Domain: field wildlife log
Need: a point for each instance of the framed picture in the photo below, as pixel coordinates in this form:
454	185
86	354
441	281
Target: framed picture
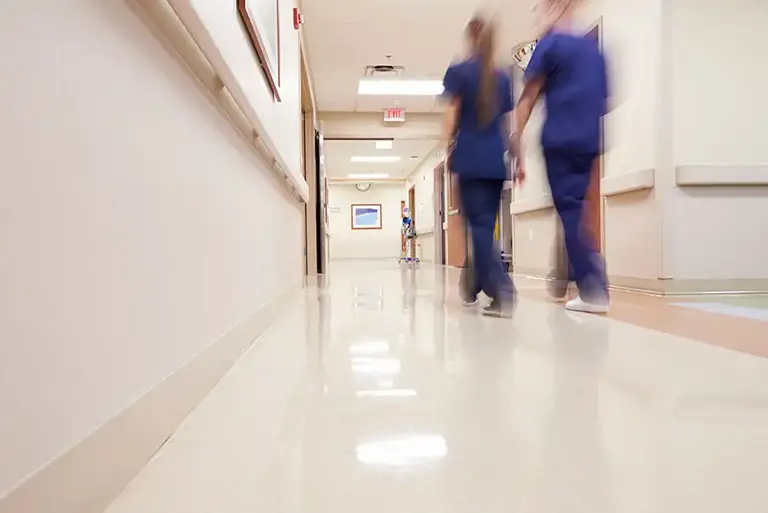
366	217
262	20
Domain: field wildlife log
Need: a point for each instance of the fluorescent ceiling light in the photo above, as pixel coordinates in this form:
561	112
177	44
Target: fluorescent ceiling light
395	392
383	145
369	176
376	159
397	87
376	366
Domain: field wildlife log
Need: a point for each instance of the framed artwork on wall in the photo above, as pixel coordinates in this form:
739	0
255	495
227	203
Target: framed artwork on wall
366	217
262	21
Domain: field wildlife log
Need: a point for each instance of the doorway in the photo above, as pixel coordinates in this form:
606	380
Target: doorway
457	244
593	215
412	212
440	217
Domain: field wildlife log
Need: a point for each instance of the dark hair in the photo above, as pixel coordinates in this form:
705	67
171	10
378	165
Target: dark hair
482	35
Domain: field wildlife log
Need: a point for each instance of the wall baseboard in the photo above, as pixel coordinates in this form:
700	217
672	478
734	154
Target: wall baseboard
87	477
659	287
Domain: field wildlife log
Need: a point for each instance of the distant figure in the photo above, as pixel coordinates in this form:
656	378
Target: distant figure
477	126
570	71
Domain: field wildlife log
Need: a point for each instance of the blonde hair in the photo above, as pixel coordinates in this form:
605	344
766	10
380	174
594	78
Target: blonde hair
482	35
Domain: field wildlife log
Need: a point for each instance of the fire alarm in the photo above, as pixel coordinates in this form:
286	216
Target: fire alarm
298	19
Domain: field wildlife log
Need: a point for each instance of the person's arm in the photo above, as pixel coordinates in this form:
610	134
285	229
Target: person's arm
450	120
539	68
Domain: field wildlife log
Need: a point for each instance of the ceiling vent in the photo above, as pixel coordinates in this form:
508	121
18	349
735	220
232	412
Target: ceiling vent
383	71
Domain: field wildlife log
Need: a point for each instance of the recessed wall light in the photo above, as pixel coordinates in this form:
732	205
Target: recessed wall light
376	159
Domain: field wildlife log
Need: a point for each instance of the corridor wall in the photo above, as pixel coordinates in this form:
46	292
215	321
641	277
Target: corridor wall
717	217
139	234
349	244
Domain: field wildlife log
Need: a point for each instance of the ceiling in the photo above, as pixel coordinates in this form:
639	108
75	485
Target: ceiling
411	153
344	36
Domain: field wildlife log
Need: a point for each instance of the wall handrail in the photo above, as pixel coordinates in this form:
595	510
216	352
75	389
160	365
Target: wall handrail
164	17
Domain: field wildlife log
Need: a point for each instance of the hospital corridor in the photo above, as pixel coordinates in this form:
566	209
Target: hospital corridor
241	270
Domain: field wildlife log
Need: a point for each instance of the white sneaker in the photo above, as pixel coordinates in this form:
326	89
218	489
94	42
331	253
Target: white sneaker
578	305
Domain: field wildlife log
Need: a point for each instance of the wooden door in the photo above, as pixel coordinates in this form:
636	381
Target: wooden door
457	247
592	224
439	205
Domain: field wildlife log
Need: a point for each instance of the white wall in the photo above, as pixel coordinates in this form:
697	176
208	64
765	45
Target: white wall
346	243
137	226
718	121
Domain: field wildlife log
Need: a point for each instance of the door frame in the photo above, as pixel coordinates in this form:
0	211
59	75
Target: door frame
440	217
599	173
310	170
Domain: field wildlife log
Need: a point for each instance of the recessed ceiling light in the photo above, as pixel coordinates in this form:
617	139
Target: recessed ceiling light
376	159
383	145
390	87
369	176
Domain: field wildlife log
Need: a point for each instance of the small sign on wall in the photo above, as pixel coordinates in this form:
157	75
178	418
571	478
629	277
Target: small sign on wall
334	210
394	115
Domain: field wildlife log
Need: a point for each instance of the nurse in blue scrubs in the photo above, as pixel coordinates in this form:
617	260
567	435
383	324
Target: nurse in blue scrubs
569	70
477	125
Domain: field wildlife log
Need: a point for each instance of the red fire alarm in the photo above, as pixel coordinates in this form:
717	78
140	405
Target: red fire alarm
298	19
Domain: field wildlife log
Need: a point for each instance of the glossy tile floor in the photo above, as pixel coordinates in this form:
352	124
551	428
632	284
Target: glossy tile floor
380	393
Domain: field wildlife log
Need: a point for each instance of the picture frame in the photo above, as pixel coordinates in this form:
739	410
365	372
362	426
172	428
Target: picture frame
366	216
262	21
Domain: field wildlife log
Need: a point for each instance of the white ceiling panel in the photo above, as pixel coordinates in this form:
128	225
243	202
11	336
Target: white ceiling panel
344	36
411	153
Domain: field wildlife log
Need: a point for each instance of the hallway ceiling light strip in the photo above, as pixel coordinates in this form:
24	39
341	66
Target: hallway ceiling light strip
395	392
380	87
369	176
376	159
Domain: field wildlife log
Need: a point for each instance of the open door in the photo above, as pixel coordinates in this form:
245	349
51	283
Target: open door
456	239
593	215
440	217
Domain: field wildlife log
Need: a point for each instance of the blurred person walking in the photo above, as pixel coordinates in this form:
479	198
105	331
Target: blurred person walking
477	126
570	71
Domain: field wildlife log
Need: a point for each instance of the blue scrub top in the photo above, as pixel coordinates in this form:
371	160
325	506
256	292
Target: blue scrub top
575	90
480	151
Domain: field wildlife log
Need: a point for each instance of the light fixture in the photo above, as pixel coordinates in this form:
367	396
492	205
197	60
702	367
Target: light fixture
398	87
384	145
376	159
368	176
394	392
376	366
403	451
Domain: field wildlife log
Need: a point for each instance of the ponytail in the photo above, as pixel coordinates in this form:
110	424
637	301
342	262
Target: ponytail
487	94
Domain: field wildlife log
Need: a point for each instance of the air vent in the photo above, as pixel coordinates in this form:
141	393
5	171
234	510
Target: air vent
383	71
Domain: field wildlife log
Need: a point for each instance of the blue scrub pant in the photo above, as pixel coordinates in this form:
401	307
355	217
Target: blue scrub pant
480	204
569	176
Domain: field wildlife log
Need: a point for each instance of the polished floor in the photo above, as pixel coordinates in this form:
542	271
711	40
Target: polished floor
378	392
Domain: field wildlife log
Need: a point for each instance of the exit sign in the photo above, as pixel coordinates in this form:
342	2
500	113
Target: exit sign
394	115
